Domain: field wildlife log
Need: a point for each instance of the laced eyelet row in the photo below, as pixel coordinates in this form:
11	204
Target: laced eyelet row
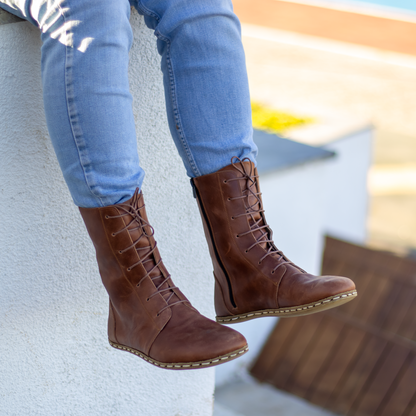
137	222
247	174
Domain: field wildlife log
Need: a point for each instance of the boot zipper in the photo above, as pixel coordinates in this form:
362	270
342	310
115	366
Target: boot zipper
198	198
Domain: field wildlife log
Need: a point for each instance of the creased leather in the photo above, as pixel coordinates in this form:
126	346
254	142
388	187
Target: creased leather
251	274
142	315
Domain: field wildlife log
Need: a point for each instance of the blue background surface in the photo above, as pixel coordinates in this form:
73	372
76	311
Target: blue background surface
405	5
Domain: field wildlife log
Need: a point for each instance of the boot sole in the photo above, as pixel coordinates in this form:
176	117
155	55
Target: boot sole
184	366
292	311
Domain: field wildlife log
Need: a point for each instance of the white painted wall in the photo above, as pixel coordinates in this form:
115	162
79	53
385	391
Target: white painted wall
303	204
54	355
347	185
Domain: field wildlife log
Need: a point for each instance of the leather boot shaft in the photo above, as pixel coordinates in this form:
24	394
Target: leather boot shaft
253	277
114	231
148	315
236	269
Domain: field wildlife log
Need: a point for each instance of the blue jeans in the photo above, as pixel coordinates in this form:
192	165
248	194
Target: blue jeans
87	101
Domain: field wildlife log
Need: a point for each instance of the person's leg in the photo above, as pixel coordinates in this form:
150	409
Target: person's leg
87	101
90	120
205	79
208	106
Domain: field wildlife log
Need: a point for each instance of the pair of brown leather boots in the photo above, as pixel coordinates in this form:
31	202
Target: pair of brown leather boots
150	317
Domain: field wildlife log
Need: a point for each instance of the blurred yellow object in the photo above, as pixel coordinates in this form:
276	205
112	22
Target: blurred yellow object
274	121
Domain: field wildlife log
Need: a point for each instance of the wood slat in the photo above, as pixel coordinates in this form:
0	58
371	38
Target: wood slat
376	290
401	396
303	377
408	327
345	351
411	409
275	348
350	255
347	382
362	280
386	304
358	359
387	371
396	320
297	350
361	371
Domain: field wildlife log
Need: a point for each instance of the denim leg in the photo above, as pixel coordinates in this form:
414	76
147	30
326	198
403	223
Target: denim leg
205	80
87	101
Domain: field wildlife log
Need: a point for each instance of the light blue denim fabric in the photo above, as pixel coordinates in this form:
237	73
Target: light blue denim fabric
86	91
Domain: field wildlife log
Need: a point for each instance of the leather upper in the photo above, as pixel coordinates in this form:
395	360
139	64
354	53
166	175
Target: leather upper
251	273
147	312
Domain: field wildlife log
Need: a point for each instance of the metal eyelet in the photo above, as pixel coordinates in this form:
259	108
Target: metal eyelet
272	271
228	199
246	251
237	236
225	181
120	252
233	218
113	234
128	269
147	300
106	217
259	263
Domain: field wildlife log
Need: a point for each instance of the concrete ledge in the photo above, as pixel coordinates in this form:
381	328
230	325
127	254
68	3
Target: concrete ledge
276	153
55	356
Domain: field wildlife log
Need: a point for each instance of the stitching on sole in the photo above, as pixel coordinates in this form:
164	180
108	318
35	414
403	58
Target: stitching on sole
172	366
285	311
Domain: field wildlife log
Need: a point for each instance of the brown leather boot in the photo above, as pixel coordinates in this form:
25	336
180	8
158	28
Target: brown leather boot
252	277
149	316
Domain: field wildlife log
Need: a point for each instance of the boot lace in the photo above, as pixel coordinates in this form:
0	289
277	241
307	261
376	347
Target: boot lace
137	222
258	226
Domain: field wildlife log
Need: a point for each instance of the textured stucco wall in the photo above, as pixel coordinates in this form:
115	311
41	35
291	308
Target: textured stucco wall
54	354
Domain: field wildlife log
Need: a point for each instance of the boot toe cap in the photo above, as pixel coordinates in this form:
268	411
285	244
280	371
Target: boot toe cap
190	337
305	288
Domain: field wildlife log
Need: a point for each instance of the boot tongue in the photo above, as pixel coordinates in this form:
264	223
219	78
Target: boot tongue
255	218
141	227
